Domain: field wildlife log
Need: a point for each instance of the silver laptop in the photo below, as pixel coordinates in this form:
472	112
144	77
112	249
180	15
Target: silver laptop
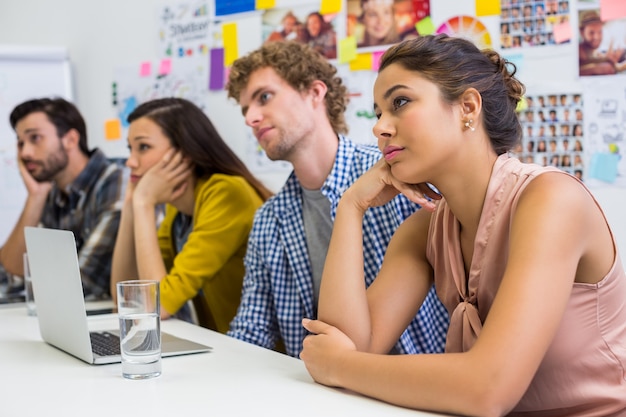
61	312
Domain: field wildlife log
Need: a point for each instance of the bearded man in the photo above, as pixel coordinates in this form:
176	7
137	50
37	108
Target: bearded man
69	187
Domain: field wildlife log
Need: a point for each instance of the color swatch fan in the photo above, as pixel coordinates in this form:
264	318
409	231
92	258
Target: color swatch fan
469	28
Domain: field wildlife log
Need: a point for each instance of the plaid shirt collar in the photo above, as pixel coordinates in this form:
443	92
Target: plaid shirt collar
74	193
334	185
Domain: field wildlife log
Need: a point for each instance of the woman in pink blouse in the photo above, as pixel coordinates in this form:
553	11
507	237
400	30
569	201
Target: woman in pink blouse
521	256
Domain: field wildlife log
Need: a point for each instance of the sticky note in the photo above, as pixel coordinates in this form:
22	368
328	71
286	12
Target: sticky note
330	6
225	7
517	60
216	69
165	67
361	62
112	129
376	59
562	32
265	4
145	69
522	105
603	166
612	9
229	36
487	7
425	26
347	49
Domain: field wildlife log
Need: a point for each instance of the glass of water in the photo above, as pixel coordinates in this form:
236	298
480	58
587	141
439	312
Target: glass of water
138	307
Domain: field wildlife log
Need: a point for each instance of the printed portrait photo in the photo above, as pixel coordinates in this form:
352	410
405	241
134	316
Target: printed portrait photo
602	45
302	23
382	22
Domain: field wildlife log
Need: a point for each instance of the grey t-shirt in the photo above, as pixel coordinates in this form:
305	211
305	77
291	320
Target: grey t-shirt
318	227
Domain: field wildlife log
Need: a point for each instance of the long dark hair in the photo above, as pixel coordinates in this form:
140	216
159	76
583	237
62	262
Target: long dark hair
191	132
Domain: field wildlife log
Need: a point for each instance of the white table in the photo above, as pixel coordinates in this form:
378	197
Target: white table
235	379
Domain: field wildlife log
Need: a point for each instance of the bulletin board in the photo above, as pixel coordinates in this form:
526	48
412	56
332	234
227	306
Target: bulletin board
25	72
540	37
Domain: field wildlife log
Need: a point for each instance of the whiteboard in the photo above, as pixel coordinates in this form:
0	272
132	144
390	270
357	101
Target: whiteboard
25	72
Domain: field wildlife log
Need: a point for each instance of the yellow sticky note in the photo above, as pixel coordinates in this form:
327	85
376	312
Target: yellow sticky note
265	4
361	62
347	49
231	49
425	26
487	7
522	105
330	6
112	129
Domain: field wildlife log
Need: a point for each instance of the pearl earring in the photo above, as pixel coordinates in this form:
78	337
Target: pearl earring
468	125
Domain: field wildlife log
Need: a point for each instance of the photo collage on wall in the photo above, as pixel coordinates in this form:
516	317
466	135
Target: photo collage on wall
553	132
527	23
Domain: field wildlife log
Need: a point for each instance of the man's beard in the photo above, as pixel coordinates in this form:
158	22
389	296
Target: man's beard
54	164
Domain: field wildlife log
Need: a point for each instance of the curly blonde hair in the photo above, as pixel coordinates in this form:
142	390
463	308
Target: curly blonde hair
299	65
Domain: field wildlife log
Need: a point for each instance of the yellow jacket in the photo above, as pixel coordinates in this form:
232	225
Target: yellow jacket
212	258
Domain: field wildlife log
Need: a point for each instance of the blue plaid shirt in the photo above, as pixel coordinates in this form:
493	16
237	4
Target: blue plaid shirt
90	207
278	288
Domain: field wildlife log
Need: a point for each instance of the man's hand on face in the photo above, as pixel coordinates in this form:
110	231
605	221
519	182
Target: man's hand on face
34	187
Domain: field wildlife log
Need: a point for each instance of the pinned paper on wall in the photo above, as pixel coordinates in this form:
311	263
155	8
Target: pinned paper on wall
518	61
112	129
265	4
361	62
183	28
562	32
612	9
347	49
425	26
225	7
330	6
216	72
376	59
487	7
522	105
604	166
229	36
165	67
145	69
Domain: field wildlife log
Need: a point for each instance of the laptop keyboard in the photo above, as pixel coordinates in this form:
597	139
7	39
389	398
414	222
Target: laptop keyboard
105	343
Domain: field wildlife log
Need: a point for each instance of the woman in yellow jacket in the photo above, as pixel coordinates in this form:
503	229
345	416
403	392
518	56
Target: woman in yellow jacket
177	158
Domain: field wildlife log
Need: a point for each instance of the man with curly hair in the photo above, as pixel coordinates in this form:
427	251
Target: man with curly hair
294	102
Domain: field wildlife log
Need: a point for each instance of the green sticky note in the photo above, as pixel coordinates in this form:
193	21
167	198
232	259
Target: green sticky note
425	26
347	49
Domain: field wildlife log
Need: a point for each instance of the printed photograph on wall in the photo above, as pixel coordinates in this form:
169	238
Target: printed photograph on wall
553	132
377	23
302	23
605	129
602	44
530	23
183	29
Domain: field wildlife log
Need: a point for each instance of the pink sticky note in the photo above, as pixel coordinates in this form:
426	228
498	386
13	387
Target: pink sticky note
165	67
376	59
612	9
145	69
562	32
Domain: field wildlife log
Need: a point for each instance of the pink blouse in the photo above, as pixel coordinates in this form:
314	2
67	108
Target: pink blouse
584	370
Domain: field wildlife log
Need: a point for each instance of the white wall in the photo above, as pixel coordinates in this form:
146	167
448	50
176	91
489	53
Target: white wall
104	35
